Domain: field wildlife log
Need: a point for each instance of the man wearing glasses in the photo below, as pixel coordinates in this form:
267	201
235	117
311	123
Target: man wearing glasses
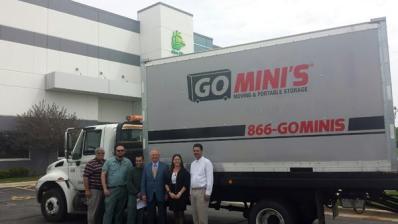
114	179
93	187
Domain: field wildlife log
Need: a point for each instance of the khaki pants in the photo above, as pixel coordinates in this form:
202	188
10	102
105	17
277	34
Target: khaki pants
199	206
93	206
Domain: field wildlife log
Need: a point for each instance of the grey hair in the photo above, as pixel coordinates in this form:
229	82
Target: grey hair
99	149
153	150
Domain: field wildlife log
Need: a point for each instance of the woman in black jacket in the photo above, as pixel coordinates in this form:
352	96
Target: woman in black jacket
177	188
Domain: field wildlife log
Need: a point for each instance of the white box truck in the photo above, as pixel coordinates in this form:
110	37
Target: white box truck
291	125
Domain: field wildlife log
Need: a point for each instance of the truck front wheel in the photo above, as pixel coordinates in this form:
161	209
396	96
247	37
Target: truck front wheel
272	212
53	205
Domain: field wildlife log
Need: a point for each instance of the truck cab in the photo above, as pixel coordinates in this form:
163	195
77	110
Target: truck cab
60	191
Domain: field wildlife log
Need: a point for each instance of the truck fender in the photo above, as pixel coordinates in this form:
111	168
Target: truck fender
56	180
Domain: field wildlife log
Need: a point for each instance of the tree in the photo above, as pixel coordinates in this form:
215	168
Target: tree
43	127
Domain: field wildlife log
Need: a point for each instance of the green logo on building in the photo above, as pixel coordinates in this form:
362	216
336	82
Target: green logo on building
177	43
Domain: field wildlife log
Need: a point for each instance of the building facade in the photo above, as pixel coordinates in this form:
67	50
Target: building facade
83	58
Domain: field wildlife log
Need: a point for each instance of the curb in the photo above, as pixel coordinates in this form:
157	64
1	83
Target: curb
370	213
18	184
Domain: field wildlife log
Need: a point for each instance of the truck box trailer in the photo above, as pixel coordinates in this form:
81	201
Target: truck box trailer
290	124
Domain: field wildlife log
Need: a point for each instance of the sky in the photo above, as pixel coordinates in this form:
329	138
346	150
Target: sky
232	22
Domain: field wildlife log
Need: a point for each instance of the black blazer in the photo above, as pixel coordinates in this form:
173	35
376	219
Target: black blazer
183	180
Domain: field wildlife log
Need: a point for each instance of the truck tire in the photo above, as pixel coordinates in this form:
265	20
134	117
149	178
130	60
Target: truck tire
53	206
307	214
272	212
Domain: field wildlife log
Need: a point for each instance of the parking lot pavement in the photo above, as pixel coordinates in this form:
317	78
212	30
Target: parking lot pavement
18	205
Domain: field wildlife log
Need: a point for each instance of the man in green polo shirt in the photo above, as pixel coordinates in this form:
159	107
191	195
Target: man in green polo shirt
114	179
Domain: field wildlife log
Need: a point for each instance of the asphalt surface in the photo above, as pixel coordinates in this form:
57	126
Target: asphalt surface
18	205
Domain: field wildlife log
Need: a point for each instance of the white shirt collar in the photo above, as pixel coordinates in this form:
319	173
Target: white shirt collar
197	160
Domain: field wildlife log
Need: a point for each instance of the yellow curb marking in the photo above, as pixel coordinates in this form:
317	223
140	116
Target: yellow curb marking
21	198
25	188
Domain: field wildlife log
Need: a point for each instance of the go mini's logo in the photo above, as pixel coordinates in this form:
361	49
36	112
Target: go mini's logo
177	43
268	82
212	85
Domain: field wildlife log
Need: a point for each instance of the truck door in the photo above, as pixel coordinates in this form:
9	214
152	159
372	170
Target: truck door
84	151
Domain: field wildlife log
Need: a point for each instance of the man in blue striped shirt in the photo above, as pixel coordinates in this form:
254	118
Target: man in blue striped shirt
93	188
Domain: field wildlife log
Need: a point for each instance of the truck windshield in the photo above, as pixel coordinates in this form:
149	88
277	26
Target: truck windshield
131	137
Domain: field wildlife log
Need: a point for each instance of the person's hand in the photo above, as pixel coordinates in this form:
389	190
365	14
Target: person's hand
107	192
178	196
207	197
87	193
172	195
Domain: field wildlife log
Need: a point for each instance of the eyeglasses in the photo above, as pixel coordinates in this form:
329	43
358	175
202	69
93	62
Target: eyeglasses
120	150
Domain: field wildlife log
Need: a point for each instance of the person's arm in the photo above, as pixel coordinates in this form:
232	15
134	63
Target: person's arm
190	181
143	184
131	182
209	179
167	185
103	179
168	192
87	191
87	173
134	183
167	180
104	185
131	185
185	183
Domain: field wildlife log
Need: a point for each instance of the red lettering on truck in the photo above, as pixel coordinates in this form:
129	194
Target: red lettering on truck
246	82
297	127
272	79
301	74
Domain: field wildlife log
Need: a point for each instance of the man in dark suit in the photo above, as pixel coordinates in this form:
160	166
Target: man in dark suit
153	183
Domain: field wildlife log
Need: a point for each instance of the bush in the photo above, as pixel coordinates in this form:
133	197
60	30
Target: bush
4	174
14	172
18	172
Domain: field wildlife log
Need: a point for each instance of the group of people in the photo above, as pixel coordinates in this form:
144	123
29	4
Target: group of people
116	183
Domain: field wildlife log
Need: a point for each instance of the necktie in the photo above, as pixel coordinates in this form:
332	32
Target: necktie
154	170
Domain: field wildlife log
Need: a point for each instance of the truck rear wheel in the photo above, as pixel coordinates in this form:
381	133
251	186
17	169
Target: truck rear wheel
272	212
53	205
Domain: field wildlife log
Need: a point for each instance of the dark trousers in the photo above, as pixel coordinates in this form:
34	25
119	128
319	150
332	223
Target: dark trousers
134	215
140	216
179	217
161	207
